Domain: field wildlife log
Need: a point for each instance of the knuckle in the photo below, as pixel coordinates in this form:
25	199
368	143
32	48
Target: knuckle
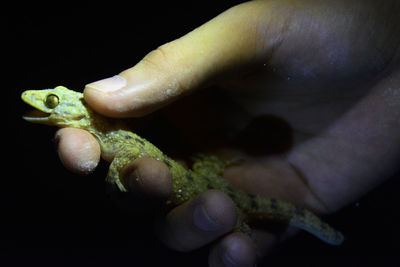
167	62
161	58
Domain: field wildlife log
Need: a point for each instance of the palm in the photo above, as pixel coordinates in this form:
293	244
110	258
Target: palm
293	116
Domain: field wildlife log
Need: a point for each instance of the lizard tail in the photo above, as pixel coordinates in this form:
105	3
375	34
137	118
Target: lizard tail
308	221
264	209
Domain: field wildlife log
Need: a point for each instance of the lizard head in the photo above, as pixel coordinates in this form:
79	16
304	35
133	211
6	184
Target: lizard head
59	107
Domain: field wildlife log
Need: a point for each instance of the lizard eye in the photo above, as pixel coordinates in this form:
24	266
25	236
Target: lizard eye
51	101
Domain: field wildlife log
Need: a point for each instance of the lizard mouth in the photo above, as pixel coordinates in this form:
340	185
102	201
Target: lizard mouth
36	116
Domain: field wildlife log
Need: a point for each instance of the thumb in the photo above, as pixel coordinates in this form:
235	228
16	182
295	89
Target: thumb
239	38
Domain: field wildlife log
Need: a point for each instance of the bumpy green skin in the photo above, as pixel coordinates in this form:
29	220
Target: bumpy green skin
117	142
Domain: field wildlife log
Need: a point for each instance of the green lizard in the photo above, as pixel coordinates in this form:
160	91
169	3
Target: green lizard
66	108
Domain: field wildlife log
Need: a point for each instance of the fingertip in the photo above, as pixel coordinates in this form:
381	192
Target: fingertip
214	210
78	150
137	91
236	249
148	176
103	97
198	222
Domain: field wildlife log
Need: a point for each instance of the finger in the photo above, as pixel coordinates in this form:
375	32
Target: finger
78	150
232	41
198	222
363	148
236	249
149	177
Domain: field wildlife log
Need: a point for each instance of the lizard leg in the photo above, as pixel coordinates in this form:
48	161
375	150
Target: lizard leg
241	225
210	165
116	165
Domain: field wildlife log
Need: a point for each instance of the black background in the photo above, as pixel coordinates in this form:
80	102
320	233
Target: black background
51	217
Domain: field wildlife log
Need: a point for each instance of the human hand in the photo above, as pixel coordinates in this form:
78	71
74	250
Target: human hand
325	73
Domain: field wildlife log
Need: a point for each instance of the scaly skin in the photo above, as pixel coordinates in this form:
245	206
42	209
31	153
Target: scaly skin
67	108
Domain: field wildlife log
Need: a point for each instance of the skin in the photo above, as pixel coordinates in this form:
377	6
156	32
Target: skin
327	69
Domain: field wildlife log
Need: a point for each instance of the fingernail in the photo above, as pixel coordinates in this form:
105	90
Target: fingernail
228	261
109	84
203	221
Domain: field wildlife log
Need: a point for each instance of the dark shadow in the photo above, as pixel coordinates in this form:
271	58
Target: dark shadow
265	134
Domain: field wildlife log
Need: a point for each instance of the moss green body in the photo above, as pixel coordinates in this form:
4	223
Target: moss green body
66	108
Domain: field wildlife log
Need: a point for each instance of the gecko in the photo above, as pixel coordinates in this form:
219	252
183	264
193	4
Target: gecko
63	107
